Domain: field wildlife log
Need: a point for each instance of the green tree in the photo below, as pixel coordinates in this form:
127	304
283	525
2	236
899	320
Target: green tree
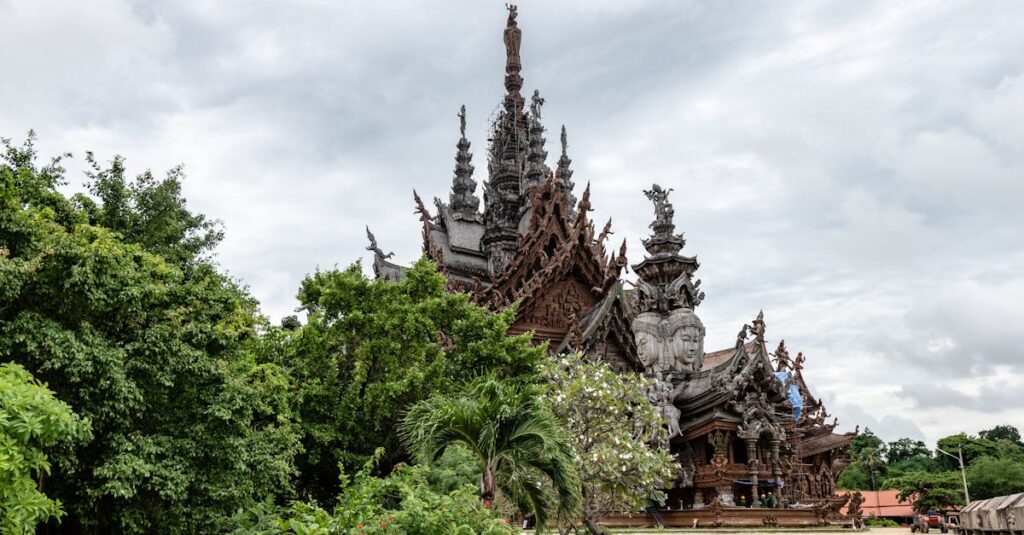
610	422
989	477
517	442
906	448
973	448
927	490
1002	432
149	211
372	348
854	477
187	426
31	420
406	502
867	439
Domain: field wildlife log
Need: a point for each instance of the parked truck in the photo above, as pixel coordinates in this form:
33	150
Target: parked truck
1003	515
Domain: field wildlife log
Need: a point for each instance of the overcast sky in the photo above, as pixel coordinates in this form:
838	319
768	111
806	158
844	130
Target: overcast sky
856	169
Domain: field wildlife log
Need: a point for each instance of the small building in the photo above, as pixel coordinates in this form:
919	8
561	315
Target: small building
884	504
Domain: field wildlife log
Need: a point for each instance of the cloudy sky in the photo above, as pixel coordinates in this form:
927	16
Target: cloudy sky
856	169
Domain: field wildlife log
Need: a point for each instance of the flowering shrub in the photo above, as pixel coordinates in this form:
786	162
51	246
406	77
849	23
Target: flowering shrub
610	422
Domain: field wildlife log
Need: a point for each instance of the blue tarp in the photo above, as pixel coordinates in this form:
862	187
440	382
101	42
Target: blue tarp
794	393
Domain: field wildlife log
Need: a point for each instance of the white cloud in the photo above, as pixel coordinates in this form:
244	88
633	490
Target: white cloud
853	169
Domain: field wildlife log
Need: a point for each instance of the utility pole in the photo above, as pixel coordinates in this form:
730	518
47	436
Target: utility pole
963	473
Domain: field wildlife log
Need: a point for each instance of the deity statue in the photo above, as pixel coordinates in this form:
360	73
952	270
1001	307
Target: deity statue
462	120
536	101
663	210
647	329
687	340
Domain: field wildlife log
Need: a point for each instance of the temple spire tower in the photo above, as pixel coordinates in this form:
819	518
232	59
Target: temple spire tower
463	201
564	173
669	336
506	166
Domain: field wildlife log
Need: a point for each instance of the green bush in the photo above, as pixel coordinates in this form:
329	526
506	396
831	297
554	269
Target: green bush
405	502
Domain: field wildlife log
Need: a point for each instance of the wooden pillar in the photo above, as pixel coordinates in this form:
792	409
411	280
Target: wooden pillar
755	500
777	471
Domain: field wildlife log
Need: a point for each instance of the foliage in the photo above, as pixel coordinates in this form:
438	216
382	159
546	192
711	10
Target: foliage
906	448
31	419
371	349
609	422
405	502
867	439
989	477
517	441
875	522
1002	432
928	491
148	212
187	427
854	477
973	448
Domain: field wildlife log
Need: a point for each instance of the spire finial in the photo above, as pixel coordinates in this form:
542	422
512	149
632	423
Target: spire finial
463	200
513	82
462	121
565	143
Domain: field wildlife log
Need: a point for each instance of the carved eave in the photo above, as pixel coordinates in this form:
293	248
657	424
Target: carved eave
710	395
554	249
825	443
608	324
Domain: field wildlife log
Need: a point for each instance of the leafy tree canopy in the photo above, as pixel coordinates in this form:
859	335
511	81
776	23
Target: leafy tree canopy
867	439
187	427
973	448
31	419
929	491
1002	432
372	348
988	477
905	448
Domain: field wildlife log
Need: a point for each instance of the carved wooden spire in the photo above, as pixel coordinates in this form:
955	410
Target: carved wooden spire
537	170
506	165
666	274
564	172
513	82
463	200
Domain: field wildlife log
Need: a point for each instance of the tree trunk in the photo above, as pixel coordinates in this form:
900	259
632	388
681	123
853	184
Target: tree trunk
487	486
593	526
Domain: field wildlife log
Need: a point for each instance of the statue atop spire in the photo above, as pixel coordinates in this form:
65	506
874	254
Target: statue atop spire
463	200
513	82
536	101
663	211
462	121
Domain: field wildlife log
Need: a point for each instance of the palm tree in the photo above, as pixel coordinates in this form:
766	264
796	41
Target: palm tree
517	441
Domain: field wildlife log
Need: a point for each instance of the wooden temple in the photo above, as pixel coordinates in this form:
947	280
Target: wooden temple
741	421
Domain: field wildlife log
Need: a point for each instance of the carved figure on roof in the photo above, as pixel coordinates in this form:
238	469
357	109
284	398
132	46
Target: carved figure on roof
462	120
373	246
663	392
798	364
663	210
782	361
536	101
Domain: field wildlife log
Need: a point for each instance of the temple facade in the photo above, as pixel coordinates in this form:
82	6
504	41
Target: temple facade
741	421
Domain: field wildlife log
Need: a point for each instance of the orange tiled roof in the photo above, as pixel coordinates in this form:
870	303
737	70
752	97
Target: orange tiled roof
882	503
